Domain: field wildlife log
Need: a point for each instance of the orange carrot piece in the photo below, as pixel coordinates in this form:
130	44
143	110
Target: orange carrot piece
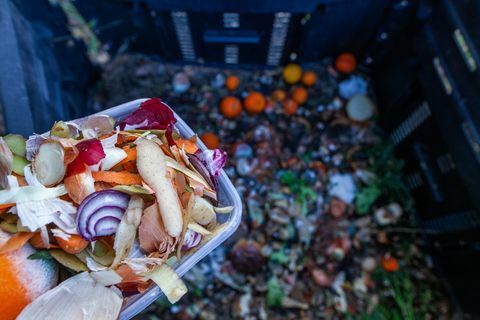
100	185
126	138
131	154
121	177
108	135
6	206
167	151
130	167
15	242
21	180
37	242
75	244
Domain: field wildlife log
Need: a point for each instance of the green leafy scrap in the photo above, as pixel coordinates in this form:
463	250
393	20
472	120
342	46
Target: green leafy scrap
274	293
40	255
366	197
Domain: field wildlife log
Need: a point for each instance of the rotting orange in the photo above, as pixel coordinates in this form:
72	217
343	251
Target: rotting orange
21	279
292	73
309	78
232	83
255	102
390	264
290	107
300	95
210	139
231	107
279	95
346	63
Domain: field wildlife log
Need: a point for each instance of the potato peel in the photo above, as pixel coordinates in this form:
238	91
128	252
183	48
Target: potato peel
169	282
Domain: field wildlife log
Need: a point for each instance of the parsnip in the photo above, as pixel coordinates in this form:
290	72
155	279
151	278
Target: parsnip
127	230
153	170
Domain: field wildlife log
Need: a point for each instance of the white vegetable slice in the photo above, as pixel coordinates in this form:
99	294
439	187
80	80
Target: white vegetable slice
152	167
127	229
79	297
198	228
112	157
169	282
48	165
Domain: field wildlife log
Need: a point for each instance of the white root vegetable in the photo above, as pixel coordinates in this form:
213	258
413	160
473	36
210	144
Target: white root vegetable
79	297
127	230
169	282
48	165
152	167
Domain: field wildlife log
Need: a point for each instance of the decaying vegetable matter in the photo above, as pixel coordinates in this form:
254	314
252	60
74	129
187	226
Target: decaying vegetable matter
109	203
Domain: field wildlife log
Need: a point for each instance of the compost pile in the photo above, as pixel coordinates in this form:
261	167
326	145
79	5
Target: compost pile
328	228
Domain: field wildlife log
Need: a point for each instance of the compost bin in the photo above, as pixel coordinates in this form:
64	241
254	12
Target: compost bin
318	238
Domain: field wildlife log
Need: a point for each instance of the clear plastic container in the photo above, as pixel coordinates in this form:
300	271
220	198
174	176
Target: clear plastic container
228	196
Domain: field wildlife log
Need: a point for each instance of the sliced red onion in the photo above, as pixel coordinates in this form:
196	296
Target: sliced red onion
209	163
109	212
100	213
191	240
202	169
106	226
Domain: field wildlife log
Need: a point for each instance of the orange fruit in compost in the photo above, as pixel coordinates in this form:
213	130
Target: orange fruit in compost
292	73
279	95
309	78
21	279
346	63
210	139
255	102
390	264
231	107
300	95
232	83
290	107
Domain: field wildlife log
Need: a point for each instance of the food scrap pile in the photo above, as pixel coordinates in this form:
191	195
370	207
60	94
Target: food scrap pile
95	211
328	229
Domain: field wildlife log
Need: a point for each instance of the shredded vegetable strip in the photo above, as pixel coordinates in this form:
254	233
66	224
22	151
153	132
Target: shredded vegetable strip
30	193
189	173
122	177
